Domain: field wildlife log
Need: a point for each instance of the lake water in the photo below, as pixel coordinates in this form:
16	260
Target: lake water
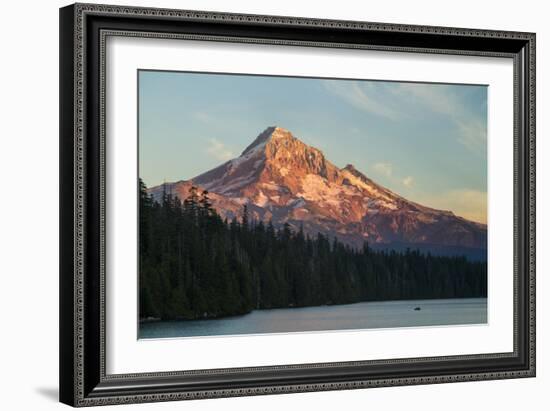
385	314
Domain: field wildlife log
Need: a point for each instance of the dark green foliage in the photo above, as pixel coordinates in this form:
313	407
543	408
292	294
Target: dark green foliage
195	265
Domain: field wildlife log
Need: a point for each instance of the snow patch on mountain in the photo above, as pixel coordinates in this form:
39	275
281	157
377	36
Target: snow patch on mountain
361	184
261	199
271	185
236	184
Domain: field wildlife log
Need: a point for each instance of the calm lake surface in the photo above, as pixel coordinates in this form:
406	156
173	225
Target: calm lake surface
385	314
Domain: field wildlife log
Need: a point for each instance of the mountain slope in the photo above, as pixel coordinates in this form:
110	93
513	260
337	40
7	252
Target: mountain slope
286	181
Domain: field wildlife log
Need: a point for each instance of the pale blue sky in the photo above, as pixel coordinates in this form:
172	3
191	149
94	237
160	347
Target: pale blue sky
427	142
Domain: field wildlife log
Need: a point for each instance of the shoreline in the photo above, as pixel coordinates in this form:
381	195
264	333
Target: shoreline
293	308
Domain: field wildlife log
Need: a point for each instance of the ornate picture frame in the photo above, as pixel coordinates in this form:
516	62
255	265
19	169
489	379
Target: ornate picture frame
84	32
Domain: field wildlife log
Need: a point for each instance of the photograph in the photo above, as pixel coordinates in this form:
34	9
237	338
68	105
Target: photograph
278	204
286	200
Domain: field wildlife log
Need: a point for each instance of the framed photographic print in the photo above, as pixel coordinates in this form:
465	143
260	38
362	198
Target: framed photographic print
262	204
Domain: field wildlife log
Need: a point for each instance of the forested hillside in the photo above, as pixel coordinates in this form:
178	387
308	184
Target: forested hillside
194	264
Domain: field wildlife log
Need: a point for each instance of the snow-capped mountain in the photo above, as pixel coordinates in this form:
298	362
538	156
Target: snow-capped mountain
282	179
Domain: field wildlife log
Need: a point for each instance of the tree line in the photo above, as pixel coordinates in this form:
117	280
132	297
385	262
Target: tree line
194	264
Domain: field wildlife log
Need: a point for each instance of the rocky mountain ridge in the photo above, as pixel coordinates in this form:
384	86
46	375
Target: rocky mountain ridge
283	180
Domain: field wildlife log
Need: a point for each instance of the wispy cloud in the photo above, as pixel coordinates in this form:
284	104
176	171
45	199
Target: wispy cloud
408	181
385	169
202	116
219	150
467	203
438	98
473	135
444	100
398	101
363	96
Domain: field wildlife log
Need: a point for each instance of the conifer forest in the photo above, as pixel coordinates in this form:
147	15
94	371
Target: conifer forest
194	264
